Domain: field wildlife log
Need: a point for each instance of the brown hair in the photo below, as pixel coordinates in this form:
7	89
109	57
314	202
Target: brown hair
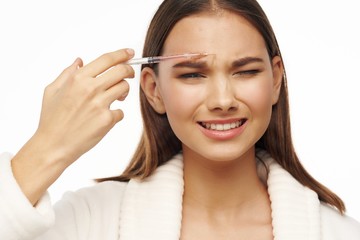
158	142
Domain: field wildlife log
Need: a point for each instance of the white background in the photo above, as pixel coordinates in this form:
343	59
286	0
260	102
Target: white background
320	45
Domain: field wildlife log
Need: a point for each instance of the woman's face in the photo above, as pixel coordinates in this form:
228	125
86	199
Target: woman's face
219	105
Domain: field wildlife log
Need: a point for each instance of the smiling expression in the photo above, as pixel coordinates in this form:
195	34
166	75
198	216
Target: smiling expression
219	105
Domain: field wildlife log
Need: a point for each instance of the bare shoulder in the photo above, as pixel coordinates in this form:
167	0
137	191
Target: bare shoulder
338	226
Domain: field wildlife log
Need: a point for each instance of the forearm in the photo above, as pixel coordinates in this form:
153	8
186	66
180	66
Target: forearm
36	167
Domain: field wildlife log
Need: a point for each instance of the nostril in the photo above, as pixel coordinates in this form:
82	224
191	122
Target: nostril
226	107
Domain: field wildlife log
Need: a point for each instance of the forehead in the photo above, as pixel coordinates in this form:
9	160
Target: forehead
220	34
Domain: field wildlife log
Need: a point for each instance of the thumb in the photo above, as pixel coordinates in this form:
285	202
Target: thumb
67	73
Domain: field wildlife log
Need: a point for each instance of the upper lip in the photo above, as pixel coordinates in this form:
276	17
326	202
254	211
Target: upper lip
222	121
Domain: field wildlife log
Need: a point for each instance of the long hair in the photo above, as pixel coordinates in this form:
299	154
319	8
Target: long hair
158	142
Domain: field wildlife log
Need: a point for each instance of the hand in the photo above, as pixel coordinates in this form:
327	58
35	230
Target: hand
76	111
75	116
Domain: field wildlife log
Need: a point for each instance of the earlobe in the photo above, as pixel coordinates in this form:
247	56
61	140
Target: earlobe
278	73
149	85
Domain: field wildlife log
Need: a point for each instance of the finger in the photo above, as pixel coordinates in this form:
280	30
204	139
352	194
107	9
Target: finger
118	115
78	63
115	75
117	92
106	61
67	73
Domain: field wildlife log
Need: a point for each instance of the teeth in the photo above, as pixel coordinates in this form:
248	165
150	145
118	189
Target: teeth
223	127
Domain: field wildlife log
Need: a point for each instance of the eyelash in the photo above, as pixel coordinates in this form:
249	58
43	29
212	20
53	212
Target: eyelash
246	73
191	75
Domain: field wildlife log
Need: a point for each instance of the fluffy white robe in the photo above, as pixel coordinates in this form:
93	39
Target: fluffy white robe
152	209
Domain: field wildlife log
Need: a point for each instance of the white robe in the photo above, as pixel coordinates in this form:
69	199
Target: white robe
152	209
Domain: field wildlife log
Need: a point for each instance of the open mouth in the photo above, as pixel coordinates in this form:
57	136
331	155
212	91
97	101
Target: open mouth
223	127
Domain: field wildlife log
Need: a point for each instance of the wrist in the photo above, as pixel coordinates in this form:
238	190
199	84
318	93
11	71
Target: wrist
37	166
48	152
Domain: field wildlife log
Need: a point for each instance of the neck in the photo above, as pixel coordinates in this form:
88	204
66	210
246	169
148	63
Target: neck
223	187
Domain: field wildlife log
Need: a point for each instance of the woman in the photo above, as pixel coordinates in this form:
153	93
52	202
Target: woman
215	161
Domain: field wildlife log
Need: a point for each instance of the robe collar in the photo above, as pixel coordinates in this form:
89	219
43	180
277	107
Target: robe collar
152	209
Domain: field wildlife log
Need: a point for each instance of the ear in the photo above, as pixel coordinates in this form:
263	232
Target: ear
149	85
278	73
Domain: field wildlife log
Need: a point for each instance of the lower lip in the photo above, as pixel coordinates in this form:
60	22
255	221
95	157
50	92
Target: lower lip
223	135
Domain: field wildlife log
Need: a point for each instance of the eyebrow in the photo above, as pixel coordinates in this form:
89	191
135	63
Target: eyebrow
191	64
246	60
202	64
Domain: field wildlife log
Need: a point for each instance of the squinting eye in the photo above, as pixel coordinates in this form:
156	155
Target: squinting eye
248	72
191	75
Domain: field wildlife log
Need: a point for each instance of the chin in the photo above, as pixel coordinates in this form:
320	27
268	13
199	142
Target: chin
225	154
225	157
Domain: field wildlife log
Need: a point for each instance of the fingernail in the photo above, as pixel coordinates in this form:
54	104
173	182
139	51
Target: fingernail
130	51
78	62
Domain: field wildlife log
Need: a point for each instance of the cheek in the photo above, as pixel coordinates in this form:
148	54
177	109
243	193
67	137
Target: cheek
181	104
257	96
181	99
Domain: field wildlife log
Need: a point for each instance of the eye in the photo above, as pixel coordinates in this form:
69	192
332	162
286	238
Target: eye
191	75
248	73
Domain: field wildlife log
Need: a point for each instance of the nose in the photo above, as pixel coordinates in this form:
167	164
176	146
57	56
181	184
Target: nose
221	96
